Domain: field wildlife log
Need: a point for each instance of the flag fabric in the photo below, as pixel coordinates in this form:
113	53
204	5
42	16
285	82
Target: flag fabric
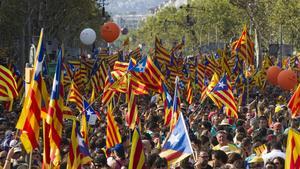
78	151
294	103
90	113
210	87
146	72
98	76
189	97
204	89
137	155
178	146
108	94
176	104
244	47
84	124
161	53
292	160
46	144
18	78
8	82
29	120
75	96
260	149
132	111
55	113
168	103
223	93
113	136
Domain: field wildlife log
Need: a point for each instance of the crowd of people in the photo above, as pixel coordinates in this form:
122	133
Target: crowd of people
257	139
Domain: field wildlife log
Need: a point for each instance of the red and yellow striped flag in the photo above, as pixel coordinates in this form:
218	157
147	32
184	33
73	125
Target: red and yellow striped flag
189	97
137	156
294	103
75	96
161	53
29	120
8	82
55	113
244	47
214	81
132	111
292	160
113	135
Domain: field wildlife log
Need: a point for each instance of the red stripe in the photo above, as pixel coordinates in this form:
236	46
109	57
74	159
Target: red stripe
229	102
173	156
111	126
137	153
10	86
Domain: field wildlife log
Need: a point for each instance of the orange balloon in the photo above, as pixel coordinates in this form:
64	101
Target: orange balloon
272	74
110	32
287	79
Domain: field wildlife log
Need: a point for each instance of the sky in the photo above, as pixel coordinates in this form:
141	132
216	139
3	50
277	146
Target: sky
115	7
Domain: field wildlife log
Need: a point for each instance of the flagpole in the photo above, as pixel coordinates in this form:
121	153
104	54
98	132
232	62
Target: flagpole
30	160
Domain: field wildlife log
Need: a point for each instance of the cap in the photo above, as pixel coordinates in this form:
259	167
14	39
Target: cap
118	147
277	109
225	122
17	149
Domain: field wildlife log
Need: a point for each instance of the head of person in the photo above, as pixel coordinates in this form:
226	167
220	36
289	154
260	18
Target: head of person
236	160
154	161
278	162
256	163
203	159
269	165
219	158
277	128
276	146
222	138
263	122
295	123
118	151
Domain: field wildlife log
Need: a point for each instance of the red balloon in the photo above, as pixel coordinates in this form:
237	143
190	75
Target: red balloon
110	32
272	74
287	79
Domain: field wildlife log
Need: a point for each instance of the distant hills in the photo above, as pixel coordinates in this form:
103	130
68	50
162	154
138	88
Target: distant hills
117	7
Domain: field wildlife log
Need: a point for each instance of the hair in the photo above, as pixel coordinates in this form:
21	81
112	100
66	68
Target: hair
220	155
241	129
246	141
276	145
232	157
262	118
207	125
156	161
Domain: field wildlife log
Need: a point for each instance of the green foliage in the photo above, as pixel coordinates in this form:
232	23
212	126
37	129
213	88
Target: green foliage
220	20
20	21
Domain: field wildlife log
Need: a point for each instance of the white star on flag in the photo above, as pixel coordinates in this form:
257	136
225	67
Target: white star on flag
89	112
174	138
221	85
140	66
